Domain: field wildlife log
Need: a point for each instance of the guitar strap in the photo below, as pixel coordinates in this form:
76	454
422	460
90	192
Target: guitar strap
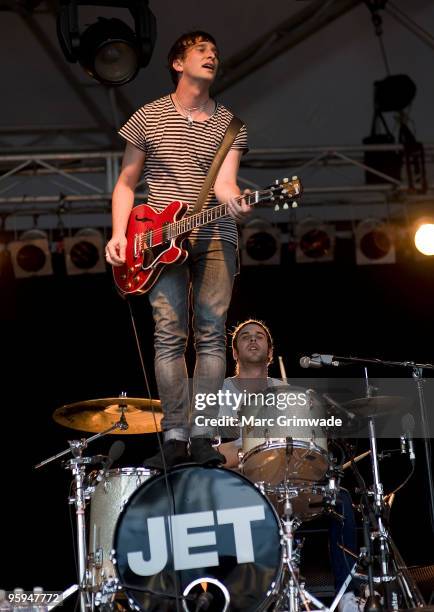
228	139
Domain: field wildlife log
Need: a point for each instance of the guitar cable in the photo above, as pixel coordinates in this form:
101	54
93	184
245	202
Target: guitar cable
169	489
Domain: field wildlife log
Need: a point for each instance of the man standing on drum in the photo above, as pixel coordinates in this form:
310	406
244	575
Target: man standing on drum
252	349
173	141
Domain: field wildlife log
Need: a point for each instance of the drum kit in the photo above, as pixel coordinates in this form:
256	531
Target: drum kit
210	538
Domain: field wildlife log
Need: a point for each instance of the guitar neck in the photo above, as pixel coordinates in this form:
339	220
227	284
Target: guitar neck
189	223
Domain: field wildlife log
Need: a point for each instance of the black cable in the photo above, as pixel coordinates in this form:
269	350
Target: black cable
169	489
413	465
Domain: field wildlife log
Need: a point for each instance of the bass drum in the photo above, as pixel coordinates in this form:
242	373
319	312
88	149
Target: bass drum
208	530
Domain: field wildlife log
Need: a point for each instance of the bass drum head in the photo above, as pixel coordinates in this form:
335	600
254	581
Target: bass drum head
222	527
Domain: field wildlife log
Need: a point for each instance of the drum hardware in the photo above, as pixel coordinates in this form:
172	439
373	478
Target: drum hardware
372	407
377	539
293	591
77	466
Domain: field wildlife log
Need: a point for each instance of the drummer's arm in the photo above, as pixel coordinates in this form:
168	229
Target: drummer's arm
230	451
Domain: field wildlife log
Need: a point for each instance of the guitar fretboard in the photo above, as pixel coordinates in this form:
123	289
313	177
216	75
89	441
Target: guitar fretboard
184	226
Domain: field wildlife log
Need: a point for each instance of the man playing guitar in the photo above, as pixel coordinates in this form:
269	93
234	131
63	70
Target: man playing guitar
173	140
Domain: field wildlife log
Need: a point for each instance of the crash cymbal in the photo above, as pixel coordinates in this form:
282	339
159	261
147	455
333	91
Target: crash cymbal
99	414
378	406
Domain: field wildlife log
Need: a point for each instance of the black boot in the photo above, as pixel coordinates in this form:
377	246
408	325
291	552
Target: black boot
175	452
204	453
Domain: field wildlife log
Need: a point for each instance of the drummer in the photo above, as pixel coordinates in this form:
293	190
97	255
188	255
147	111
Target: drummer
252	350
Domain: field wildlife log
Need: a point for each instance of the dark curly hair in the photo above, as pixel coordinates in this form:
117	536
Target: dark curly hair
180	46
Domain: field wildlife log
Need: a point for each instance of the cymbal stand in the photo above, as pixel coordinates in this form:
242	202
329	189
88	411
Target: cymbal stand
77	465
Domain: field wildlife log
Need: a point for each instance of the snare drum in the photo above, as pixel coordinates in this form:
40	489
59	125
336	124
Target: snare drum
209	530
107	502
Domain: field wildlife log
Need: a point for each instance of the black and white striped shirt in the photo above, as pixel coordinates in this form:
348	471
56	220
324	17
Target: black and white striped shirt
178	156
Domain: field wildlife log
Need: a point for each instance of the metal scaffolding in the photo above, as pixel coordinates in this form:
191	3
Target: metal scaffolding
80	183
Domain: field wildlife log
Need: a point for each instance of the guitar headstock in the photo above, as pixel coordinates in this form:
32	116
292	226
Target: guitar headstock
284	191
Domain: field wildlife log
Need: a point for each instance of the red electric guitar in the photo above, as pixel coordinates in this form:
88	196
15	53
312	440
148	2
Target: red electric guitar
154	239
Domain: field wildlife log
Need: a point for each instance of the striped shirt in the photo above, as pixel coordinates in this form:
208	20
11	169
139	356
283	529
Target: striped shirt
178	156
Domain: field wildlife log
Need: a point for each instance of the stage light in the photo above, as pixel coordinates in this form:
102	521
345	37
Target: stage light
375	242
315	241
30	255
109	50
424	237
84	252
394	93
260	243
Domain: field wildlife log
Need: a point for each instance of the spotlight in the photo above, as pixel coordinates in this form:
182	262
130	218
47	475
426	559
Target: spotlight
424	236
30	255
108	50
315	241
374	243
84	252
260	243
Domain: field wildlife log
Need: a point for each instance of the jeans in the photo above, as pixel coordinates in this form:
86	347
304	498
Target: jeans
343	533
205	280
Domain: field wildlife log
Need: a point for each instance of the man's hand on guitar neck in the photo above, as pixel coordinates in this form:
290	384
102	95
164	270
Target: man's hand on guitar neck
239	209
115	250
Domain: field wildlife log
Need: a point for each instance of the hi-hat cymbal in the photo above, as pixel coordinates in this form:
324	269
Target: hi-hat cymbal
99	414
378	406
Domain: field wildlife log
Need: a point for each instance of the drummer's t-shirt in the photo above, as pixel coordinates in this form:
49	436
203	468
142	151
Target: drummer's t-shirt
229	407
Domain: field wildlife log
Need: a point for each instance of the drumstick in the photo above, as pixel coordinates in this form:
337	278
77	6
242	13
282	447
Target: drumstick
282	370
356	459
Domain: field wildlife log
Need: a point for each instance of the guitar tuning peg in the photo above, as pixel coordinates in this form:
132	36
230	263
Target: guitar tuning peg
286	180
276	182
285	206
295	178
272	198
281	197
277	207
284	191
294	204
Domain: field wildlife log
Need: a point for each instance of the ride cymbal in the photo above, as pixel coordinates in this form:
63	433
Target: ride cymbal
97	415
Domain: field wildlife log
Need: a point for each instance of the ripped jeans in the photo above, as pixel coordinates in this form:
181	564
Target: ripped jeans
205	280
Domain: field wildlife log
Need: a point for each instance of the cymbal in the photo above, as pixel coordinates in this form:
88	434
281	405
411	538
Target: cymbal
99	414
378	406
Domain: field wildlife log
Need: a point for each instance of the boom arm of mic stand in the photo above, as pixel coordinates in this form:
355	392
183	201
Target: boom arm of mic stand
84	443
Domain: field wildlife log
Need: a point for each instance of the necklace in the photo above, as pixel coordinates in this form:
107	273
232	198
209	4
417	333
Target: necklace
188	110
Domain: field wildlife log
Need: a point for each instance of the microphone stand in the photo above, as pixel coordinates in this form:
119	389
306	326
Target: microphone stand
417	374
388	561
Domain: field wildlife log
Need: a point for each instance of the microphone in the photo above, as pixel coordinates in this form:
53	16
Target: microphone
115	452
338	407
318	361
407	423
